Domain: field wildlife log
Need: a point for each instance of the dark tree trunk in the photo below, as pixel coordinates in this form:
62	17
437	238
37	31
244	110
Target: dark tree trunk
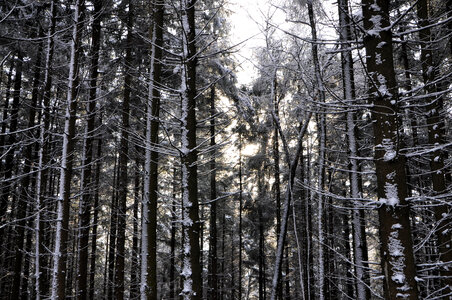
87	178
212	267
62	226
26	179
397	259
436	133
123	178
96	208
191	224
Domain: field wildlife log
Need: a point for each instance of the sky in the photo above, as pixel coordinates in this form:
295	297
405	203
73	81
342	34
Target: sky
246	21
246	15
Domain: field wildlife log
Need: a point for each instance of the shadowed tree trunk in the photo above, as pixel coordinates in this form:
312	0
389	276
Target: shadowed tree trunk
87	178
397	259
212	267
62	224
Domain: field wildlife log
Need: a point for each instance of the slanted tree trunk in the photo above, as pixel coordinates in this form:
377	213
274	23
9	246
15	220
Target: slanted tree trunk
396	251
62	222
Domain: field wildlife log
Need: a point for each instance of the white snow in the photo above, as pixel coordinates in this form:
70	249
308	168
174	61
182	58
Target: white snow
391	194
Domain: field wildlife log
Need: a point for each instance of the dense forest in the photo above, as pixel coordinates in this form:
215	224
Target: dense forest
135	165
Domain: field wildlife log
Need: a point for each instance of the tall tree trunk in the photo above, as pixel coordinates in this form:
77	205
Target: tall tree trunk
41	261
436	133
320	93
349	95
149	229
61	235
96	208
173	238
109	279
135	274
123	161
277	184
12	139
212	267
191	272
87	187
397	259
240	215
26	176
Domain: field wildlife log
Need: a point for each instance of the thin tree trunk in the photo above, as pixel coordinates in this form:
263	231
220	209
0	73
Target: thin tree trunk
123	162
240	214
322	144
86	177
191	273
212	267
41	262
349	95
113	232
61	235
25	181
96	208
173	238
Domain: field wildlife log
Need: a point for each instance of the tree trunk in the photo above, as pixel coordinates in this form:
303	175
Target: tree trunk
61	235
191	272
26	179
86	177
349	95
397	259
41	262
436	133
123	178
212	267
92	271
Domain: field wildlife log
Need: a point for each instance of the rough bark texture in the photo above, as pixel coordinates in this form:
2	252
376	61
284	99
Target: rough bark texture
397	260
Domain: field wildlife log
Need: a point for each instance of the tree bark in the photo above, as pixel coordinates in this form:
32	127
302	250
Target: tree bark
87	187
62	226
191	273
212	267
396	251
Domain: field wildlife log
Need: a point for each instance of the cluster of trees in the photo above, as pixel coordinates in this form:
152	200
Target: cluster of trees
133	165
